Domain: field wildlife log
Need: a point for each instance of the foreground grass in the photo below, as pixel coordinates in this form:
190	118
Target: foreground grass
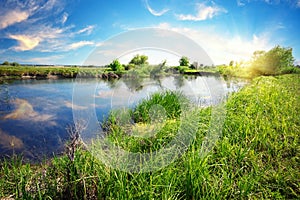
257	156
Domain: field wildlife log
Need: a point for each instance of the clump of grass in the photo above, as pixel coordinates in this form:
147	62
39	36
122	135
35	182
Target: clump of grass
171	102
257	156
150	125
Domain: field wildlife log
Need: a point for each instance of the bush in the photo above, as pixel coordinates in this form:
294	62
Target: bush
272	62
116	66
139	60
184	61
129	66
6	63
290	70
15	64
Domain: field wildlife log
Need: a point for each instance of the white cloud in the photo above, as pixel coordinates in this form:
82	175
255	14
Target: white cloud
42	38
48	60
79	44
64	18
164	25
49	5
88	30
154	12
204	12
26	42
240	3
224	48
12	17
292	3
30	30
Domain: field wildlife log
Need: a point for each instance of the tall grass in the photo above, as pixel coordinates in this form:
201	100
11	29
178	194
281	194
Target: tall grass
257	156
171	102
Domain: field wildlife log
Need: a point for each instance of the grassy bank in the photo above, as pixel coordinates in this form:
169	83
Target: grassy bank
257	156
250	72
23	72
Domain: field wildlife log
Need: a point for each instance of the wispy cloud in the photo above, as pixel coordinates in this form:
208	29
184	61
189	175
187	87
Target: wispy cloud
50	4
29	28
204	12
240	2
79	44
43	60
292	3
273	1
12	17
154	12
279	26
88	30
26	42
33	37
64	18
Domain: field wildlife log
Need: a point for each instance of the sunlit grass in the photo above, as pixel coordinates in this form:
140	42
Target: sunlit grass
257	156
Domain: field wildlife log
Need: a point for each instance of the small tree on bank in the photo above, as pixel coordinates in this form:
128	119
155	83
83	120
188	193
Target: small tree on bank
184	61
6	63
115	65
272	62
15	64
139	60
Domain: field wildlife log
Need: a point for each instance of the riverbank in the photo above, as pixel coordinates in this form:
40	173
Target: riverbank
257	156
106	73
46	72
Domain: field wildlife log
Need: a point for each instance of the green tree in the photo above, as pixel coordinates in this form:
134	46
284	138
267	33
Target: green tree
184	61
143	59
272	62
15	64
5	63
115	65
139	60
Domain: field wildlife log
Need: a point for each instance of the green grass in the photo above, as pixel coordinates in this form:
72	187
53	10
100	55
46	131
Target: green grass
257	156
16	72
250	72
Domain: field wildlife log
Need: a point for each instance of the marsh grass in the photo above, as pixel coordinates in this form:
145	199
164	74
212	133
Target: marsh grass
257	156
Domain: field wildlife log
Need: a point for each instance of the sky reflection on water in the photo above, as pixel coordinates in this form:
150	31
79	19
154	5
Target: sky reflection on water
34	114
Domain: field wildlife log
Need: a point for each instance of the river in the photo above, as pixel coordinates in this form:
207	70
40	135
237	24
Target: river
34	114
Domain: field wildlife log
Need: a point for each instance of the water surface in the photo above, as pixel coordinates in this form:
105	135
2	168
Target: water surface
34	114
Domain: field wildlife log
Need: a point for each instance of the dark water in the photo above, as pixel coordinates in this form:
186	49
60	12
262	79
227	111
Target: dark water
34	114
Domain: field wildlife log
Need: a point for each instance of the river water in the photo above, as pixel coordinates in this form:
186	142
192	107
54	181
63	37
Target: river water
34	114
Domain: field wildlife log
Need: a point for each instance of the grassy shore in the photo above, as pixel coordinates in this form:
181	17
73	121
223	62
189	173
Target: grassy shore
257	156
43	72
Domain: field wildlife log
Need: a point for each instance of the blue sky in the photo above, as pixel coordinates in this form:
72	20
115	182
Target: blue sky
67	31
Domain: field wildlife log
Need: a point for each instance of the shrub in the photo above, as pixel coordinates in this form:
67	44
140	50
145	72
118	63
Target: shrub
116	65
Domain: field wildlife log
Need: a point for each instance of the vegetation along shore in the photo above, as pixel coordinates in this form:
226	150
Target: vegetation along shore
256	157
